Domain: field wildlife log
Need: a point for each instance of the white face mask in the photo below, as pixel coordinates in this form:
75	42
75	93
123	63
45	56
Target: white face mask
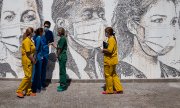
158	45
161	45
12	34
89	34
106	34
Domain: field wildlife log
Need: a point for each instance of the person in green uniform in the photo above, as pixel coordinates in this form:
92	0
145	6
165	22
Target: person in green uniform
62	58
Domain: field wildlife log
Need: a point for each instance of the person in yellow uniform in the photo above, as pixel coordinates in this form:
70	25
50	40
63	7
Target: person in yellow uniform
28	50
110	61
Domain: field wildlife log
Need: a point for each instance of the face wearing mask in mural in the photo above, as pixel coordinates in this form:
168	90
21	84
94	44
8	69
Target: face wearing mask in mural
88	23
157	29
14	21
89	34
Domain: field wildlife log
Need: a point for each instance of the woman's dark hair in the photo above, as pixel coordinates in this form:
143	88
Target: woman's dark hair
48	23
39	31
110	31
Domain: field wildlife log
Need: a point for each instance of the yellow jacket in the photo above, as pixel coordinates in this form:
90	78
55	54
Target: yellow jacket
112	57
27	46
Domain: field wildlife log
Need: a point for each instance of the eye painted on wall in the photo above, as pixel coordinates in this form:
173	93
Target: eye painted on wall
9	16
158	18
28	16
101	13
174	21
87	14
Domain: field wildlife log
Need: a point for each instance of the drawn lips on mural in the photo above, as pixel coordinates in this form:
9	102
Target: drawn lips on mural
89	33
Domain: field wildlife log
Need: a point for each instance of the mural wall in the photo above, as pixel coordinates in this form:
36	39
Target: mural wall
147	33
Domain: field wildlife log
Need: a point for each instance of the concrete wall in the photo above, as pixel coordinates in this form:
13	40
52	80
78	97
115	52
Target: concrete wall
147	32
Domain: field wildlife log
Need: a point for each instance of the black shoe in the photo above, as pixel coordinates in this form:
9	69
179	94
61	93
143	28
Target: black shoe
43	88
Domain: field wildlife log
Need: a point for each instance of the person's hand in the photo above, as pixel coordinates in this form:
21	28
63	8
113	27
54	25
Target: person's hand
34	61
56	56
49	44
53	44
102	50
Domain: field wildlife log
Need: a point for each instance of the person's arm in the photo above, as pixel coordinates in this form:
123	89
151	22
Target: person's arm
31	57
60	46
58	51
110	48
53	44
51	37
38	42
27	46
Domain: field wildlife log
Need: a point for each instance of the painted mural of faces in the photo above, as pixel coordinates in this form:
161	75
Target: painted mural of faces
160	27
173	58
16	16
146	20
87	18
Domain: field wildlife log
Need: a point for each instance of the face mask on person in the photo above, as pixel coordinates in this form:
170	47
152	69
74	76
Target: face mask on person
46	28
89	34
106	34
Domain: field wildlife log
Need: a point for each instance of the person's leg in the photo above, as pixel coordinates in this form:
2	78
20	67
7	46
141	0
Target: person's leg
43	74
116	81
28	89
26	81
39	76
108	78
62	75
34	78
36	84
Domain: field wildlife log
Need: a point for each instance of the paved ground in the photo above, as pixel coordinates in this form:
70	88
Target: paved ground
88	95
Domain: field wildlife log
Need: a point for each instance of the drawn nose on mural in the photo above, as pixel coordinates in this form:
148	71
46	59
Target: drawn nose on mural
89	33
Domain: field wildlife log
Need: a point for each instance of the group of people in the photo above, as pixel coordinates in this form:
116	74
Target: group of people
35	51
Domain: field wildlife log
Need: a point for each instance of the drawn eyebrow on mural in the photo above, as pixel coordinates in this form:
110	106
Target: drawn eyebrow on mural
158	15
9	11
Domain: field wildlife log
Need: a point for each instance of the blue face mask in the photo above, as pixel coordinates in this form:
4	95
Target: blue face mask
46	28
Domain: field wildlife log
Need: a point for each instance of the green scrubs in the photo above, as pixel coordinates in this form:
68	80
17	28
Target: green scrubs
62	44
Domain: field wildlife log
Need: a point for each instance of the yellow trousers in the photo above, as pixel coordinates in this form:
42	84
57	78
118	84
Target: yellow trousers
112	79
26	81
